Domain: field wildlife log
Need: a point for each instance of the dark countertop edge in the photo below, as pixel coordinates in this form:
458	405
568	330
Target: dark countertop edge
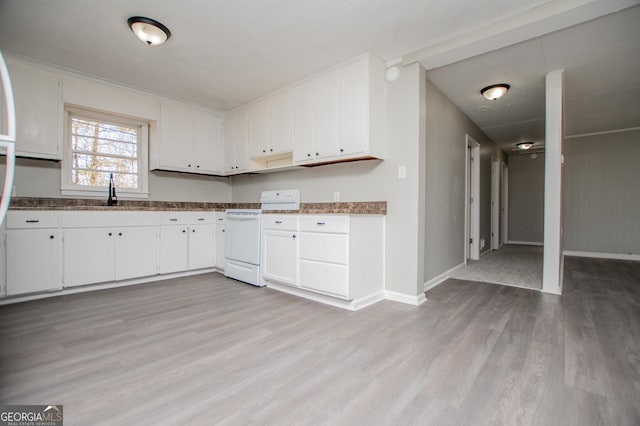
67	204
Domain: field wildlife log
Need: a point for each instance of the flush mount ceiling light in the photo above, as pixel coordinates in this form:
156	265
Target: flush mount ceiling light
524	145
149	30
495	91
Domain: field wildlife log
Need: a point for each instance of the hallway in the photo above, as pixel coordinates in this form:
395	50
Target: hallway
514	265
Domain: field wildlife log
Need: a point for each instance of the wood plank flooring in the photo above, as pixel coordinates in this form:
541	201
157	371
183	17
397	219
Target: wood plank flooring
207	350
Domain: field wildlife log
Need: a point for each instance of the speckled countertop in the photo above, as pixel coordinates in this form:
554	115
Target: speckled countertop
34	203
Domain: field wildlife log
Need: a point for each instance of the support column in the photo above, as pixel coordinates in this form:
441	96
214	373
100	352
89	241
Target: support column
552	259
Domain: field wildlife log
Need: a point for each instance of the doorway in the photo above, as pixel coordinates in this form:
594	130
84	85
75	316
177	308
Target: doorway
472	197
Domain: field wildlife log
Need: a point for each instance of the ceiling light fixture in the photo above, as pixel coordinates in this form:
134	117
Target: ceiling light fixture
149	30
524	145
495	91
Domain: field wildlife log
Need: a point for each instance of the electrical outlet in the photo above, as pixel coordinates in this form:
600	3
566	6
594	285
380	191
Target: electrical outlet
402	172
336	196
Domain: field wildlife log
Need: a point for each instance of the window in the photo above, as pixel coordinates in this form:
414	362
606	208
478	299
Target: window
98	145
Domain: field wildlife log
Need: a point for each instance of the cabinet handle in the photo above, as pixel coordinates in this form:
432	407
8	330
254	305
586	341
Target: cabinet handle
271	150
278	222
189	165
317	154
320	223
51	236
220	219
193	230
110	234
293	236
173	220
308	155
264	150
341	150
120	234
201	218
184	230
198	166
223	230
32	221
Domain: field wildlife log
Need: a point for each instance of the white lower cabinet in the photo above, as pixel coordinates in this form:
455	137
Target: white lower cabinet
32	259
202	246
220	231
96	255
336	257
187	241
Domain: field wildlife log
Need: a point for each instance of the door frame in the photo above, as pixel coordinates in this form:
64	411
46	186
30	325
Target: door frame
504	201
495	204
472	199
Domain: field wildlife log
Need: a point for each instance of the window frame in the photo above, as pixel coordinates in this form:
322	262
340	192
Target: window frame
67	186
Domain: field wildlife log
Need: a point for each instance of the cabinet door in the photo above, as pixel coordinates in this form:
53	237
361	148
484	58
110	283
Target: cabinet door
136	252
259	129
176	137
89	256
280	252
303	123
174	246
38	109
242	140
207	143
33	260
326	117
281	122
220	257
353	106
326	278
201	246
230	137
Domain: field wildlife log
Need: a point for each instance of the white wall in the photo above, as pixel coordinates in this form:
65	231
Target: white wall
41	178
601	190
445	153
374	180
526	198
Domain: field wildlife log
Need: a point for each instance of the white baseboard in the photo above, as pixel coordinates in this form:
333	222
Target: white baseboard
352	305
405	298
526	243
597	255
103	286
441	278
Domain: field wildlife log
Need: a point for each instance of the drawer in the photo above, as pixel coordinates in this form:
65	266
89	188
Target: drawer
284	222
325	223
104	219
185	218
333	248
220	218
325	278
32	219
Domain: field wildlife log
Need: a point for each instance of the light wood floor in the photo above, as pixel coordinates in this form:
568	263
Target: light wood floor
207	350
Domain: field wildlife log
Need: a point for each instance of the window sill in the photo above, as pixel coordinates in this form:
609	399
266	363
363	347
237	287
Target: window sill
122	195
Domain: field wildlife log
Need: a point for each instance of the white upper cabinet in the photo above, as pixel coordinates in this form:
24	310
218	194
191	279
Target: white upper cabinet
38	111
189	140
236	136
271	125
258	129
340	114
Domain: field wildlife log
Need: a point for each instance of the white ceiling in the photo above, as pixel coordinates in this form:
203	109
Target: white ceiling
223	54
601	59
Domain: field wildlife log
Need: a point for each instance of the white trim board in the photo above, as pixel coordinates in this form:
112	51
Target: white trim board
405	298
435	281
101	286
598	255
526	243
351	305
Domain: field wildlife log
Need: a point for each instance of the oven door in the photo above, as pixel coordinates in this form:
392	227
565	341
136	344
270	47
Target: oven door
242	237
